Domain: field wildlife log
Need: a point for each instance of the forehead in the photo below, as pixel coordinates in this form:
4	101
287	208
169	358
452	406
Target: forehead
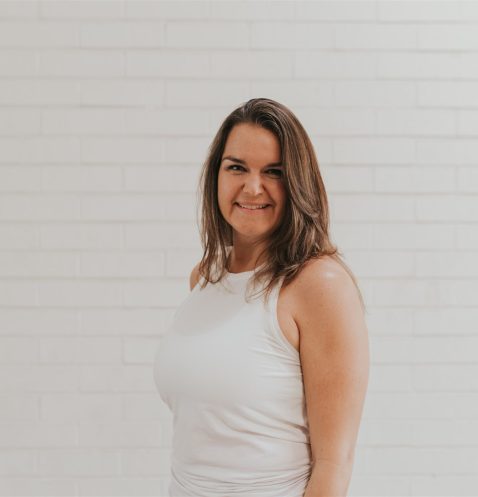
252	143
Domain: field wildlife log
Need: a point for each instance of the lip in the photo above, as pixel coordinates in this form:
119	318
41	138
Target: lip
252	211
254	205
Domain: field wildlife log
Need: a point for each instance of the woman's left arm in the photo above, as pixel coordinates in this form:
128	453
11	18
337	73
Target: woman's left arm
334	355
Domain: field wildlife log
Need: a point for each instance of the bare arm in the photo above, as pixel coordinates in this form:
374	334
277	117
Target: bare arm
335	363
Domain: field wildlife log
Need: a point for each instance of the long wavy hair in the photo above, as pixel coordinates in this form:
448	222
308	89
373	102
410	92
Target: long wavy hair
304	231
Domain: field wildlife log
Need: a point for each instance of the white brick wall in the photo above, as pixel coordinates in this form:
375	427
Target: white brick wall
106	112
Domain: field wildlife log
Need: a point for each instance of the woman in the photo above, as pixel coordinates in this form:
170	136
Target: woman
267	389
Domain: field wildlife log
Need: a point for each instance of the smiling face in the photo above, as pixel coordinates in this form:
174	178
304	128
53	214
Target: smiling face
250	174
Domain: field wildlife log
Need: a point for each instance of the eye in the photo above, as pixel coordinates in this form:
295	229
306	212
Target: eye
274	172
234	165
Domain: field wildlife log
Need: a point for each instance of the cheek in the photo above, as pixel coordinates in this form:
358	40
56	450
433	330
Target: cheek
220	187
281	196
224	195
226	190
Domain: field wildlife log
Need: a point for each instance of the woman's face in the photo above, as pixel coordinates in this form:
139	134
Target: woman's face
250	174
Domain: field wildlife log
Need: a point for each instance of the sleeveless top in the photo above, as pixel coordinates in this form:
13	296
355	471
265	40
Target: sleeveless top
234	385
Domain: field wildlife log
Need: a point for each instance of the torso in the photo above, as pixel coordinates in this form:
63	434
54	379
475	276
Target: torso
287	307
285	311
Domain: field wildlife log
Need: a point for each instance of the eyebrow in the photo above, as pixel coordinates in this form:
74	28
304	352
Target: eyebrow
241	161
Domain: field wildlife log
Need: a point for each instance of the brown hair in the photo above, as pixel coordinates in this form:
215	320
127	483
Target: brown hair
304	231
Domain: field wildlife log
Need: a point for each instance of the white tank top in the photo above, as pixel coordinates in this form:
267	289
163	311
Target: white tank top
234	385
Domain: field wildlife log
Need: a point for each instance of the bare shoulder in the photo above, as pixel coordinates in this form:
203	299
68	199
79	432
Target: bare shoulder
324	286
194	277
322	272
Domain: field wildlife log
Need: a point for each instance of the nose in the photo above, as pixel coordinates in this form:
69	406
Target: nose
253	185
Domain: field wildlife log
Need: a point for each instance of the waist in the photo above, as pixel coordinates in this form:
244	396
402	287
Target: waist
290	483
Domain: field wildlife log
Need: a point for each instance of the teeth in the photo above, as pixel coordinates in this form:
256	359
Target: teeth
252	207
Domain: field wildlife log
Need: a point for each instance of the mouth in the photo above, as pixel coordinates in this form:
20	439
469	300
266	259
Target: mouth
253	209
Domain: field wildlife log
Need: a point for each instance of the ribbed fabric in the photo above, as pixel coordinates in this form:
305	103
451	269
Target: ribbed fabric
234	385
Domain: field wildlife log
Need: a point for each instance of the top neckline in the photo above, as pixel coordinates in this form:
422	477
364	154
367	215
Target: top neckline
243	274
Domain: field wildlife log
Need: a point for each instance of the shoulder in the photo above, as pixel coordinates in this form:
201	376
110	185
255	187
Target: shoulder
321	274
322	289
194	276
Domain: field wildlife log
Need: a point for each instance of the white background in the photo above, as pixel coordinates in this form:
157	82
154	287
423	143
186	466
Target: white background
107	109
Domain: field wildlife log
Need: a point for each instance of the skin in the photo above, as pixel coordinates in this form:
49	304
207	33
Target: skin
254	182
334	355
